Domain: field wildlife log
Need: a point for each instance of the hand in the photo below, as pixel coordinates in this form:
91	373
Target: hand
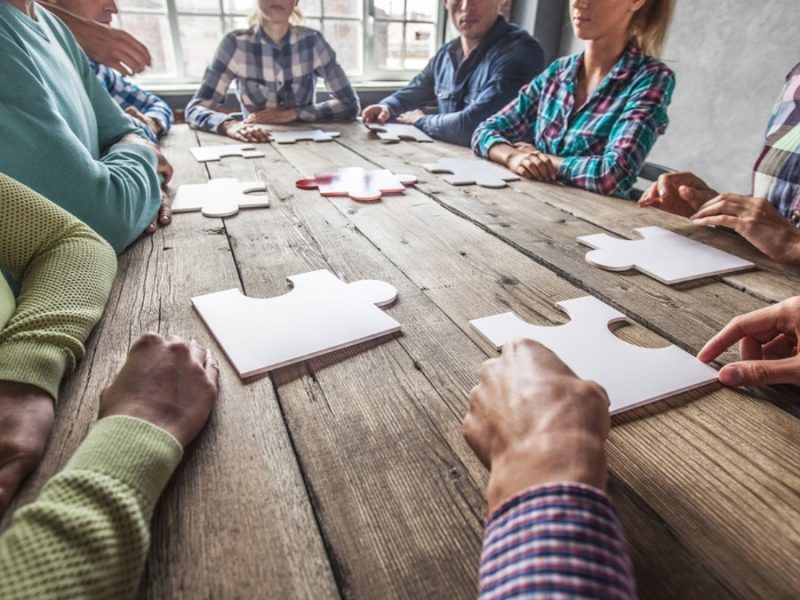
168	382
768	346
164	216
757	221
26	418
678	193
532	164
244	132
272	116
377	113
163	166
532	421
410	117
152	124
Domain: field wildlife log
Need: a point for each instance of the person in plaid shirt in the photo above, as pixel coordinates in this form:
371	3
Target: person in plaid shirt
770	217
275	65
591	119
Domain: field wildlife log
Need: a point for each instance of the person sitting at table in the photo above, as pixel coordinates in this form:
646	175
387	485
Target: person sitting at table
65	137
275	64
88	532
150	113
552	529
591	119
470	78
769	217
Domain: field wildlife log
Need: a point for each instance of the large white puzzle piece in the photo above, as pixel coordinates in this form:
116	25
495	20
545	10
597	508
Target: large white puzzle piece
359	184
394	132
661	254
210	153
631	375
310	135
319	315
469	172
219	197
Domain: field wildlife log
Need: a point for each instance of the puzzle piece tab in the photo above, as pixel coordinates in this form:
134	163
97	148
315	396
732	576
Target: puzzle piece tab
359	184
310	135
394	132
319	315
219	197
468	172
662	254
631	375
210	153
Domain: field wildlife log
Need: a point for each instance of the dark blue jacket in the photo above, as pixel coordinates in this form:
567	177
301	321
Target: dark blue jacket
470	91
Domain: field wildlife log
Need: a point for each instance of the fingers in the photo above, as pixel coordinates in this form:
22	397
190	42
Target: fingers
134	53
165	212
761	372
761	324
212	368
650	196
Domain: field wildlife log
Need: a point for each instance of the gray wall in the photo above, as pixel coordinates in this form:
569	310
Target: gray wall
730	59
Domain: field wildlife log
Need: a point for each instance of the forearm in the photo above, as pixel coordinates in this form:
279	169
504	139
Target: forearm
335	109
200	115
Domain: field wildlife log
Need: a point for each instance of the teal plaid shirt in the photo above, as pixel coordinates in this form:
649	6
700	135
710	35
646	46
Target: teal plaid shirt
606	141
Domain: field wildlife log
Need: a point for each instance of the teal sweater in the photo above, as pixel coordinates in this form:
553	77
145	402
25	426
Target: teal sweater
59	130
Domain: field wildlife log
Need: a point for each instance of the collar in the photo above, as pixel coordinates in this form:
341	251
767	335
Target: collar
288	38
627	64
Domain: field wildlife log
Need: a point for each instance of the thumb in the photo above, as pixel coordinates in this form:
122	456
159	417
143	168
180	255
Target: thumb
761	372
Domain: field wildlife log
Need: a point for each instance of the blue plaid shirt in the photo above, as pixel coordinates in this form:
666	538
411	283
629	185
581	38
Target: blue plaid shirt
127	94
271	74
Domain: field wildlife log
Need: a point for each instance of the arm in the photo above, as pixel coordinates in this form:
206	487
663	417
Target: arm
643	119
419	93
200	112
344	105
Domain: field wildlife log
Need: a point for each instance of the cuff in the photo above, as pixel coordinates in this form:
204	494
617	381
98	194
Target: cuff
35	363
145	152
307	113
483	146
576	492
132	451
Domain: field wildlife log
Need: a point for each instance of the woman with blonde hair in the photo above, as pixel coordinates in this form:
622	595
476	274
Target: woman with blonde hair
590	119
275	64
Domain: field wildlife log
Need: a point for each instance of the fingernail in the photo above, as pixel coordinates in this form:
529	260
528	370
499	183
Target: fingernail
731	376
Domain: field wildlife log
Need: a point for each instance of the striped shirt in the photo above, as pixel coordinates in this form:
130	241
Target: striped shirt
129	95
561	540
776	175
604	142
271	74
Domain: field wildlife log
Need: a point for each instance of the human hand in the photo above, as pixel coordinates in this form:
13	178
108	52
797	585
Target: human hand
377	113
166	381
244	132
677	193
529	162
531	421
164	216
152	124
410	117
112	47
768	346
163	166
272	116
757	221
26	418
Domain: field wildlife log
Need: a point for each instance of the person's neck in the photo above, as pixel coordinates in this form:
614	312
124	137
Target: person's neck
602	54
26	6
275	31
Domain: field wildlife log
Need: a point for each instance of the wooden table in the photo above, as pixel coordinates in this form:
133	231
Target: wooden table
347	476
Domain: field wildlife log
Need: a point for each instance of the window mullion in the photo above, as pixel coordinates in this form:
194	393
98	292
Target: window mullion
177	47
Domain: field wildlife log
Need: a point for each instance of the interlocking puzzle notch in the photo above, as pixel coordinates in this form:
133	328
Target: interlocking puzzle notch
221	197
631	375
472	172
309	135
212	153
320	314
663	255
359	184
394	132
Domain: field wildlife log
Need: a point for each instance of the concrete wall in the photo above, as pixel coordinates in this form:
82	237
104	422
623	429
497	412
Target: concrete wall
730	59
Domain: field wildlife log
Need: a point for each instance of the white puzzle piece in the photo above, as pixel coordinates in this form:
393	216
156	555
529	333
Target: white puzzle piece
631	375
310	135
219	197
662	254
209	153
394	132
319	315
359	184
470	172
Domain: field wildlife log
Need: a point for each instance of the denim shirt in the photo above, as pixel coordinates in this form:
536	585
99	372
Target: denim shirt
470	90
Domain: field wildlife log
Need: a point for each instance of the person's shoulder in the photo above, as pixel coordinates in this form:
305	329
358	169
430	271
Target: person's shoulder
656	70
516	35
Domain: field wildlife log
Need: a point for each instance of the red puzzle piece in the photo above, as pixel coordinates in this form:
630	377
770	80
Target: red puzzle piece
359	184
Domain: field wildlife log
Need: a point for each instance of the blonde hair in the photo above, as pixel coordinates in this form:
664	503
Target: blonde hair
650	24
254	20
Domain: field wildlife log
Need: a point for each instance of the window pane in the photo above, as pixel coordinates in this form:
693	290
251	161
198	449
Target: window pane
311	8
389	45
138	4
193	6
343	8
239	6
421	10
153	32
346	39
389	9
313	24
420	45
200	37
232	23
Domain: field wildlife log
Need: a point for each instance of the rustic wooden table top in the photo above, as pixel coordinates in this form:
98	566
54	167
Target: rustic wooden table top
347	476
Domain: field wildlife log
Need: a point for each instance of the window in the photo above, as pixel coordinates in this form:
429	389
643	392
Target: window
373	39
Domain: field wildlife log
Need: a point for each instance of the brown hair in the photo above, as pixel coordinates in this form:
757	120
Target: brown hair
254	20
650	24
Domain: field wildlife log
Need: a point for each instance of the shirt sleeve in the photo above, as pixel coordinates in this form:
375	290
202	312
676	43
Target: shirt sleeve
509	74
420	92
66	271
87	535
643	119
344	105
201	111
557	540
